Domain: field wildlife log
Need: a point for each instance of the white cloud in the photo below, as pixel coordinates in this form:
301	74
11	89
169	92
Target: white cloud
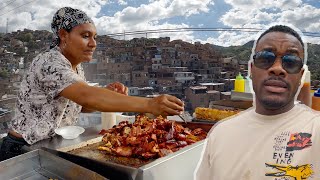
240	18
38	15
162	9
230	38
236	18
153	16
158	14
188	7
122	2
263	17
260	13
305	17
263	4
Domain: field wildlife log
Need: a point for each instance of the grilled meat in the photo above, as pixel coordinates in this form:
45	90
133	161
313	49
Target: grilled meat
148	138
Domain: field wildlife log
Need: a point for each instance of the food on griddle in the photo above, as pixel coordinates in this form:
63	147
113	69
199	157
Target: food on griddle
149	138
213	114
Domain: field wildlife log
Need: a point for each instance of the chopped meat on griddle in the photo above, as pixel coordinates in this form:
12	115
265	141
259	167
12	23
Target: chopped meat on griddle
148	138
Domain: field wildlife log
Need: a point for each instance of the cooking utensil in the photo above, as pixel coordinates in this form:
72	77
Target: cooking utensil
185	117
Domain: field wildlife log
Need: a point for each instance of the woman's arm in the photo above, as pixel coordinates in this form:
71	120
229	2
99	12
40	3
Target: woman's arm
86	110
102	99
116	87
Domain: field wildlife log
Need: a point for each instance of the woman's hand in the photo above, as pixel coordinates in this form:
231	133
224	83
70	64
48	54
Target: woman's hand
118	87
165	105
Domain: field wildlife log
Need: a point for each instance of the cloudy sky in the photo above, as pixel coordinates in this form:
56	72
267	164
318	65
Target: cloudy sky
118	16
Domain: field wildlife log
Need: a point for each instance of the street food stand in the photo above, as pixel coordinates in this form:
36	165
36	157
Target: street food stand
177	165
83	152
39	164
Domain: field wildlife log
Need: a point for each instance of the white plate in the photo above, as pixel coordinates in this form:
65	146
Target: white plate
69	132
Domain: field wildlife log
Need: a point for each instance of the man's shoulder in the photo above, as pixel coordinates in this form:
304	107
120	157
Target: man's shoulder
237	118
308	112
234	121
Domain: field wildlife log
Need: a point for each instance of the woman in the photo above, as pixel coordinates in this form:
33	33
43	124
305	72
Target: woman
54	91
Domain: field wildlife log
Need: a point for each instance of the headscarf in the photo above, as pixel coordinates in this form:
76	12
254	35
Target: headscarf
67	18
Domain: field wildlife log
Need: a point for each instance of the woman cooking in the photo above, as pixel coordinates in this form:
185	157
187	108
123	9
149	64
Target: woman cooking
54	90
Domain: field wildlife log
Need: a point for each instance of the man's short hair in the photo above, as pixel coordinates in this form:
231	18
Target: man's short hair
283	29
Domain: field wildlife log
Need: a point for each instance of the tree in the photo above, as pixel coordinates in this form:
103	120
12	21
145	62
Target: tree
4	73
25	37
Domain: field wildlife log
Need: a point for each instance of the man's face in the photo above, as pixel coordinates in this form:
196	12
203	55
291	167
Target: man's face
274	87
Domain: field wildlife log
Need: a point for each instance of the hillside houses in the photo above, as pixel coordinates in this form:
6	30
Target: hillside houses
147	66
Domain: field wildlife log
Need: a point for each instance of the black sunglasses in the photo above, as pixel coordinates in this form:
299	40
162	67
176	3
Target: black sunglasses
265	59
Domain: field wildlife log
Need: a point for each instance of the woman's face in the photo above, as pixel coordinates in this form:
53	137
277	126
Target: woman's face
79	44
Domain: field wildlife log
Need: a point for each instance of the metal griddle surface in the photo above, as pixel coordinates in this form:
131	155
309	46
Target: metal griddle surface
91	151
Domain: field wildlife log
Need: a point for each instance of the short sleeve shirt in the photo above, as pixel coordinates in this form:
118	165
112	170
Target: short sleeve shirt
251	146
39	108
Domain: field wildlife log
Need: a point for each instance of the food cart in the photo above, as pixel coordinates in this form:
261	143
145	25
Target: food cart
178	165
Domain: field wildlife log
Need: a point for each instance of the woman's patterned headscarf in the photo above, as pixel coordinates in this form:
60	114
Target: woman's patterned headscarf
67	18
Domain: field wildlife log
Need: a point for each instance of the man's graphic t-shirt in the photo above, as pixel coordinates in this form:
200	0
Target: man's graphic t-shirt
251	146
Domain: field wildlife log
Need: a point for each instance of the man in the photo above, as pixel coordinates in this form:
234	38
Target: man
276	139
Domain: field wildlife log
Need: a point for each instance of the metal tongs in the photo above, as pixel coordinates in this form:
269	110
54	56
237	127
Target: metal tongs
184	116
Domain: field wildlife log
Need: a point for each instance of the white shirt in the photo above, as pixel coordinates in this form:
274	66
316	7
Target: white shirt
251	146
39	108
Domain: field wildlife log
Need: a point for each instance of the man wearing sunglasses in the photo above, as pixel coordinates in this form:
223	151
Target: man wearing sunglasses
276	138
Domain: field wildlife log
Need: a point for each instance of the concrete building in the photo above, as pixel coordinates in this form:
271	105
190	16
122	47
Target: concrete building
214	86
200	96
90	70
184	77
138	91
140	78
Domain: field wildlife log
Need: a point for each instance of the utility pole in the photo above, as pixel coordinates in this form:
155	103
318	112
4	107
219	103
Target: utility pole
7	26
124	35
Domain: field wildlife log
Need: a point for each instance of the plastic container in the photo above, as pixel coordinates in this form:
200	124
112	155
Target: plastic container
304	96
316	100
108	120
69	132
247	85
239	83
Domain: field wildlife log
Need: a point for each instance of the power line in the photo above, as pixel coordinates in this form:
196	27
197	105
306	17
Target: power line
200	29
250	30
7	4
187	29
18	7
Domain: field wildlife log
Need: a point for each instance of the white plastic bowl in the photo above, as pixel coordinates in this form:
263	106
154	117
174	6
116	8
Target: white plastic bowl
69	132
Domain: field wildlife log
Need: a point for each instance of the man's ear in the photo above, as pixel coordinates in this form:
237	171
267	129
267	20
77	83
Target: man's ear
251	65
